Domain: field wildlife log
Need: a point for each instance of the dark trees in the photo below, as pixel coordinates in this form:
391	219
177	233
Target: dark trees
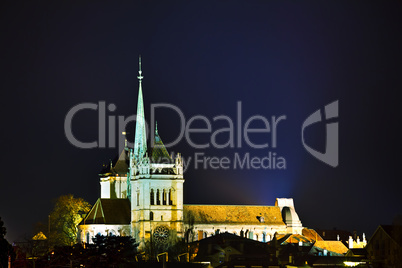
6	249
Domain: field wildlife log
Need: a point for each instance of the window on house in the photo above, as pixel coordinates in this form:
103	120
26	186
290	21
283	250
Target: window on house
151	216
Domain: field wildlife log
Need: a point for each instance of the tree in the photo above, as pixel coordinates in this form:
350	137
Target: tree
6	249
116	249
68	212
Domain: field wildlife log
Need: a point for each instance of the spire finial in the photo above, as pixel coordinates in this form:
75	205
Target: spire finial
140	139
125	140
140	77
156	127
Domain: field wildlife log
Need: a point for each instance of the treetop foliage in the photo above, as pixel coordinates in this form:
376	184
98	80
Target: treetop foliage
68	212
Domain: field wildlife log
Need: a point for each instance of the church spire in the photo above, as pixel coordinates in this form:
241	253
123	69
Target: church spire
140	141
156	127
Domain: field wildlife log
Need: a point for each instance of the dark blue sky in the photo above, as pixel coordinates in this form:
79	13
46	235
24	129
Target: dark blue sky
277	58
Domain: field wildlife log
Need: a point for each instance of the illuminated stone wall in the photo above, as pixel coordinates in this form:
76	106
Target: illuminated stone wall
113	187
156	198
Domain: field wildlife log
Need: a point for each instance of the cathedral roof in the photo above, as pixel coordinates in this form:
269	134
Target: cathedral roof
109	211
122	163
159	154
119	166
233	214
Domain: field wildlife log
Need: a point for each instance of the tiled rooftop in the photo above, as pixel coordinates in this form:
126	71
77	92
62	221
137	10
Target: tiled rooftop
334	246
233	214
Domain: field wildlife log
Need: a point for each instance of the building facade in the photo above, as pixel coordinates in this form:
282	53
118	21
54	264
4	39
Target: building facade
142	196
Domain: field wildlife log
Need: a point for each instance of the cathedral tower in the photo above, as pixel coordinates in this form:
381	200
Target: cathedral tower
155	186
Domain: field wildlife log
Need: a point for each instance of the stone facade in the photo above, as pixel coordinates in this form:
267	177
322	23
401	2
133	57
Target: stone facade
156	197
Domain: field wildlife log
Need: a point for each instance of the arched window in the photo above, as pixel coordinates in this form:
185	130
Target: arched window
170	197
263	237
164	197
158	201
152	197
151	216
87	238
138	198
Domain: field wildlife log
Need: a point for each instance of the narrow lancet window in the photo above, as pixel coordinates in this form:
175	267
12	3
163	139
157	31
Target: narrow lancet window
158	201
164	197
152	197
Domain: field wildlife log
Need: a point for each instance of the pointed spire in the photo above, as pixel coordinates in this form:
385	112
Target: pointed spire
156	127
140	141
125	140
159	152
140	77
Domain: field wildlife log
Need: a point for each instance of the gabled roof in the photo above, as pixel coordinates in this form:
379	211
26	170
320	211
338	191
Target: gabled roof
356	252
109	211
284	239
122	163
233	214
39	236
119	166
159	154
394	232
311	234
333	246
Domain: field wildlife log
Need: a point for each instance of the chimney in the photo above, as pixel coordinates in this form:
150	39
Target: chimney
350	242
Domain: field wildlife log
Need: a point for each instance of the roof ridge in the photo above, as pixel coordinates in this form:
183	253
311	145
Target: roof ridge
231	205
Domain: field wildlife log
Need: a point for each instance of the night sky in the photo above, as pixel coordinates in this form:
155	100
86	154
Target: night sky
275	57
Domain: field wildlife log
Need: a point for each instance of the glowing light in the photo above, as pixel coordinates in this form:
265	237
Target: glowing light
352	263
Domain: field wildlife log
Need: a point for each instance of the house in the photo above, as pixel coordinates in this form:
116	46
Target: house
385	246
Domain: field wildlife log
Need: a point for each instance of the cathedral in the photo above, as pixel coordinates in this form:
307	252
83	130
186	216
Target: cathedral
142	196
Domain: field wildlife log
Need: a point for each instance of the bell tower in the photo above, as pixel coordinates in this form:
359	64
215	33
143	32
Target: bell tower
155	186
